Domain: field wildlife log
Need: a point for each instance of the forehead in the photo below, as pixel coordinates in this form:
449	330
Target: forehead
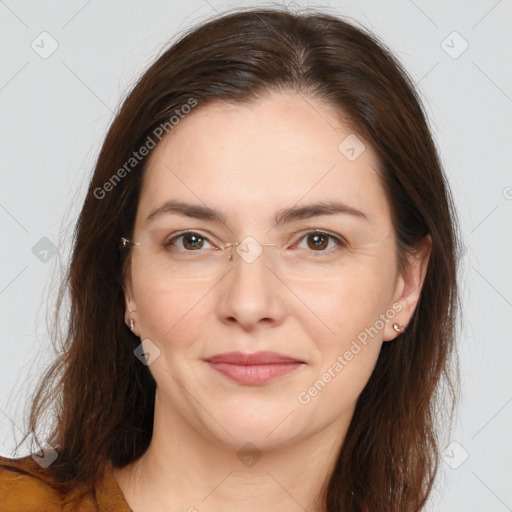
251	160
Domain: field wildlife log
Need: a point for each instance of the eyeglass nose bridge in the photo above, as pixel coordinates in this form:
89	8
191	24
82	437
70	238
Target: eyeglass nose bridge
244	251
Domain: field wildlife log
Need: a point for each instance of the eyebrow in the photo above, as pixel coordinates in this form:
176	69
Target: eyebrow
282	217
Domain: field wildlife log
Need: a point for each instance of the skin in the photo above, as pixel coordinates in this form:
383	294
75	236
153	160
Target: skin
249	162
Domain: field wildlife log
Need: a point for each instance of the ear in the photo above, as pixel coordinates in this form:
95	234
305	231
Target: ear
130	312
408	288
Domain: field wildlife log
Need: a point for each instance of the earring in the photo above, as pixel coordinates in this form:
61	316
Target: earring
397	327
132	324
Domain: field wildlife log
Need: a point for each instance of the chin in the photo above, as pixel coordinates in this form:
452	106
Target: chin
265	430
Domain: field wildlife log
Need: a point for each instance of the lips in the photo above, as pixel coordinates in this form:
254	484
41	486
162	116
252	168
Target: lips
259	358
254	369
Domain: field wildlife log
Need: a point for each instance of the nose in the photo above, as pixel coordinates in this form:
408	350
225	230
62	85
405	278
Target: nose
251	292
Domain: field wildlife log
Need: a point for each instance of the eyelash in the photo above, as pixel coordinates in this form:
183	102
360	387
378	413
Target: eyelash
340	242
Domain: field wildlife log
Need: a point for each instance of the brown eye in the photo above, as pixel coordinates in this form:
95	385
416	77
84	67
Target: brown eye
318	241
192	241
321	243
187	241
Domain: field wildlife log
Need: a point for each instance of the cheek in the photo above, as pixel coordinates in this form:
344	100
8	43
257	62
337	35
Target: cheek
347	341
343	308
168	314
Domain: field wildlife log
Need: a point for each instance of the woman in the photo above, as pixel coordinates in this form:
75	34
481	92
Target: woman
263	286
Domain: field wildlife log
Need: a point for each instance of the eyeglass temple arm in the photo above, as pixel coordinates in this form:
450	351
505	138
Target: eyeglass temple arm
127	242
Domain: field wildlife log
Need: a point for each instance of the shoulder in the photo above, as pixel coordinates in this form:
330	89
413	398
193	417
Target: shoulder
25	486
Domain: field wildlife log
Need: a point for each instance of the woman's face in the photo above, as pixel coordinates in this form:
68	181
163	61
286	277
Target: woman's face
250	163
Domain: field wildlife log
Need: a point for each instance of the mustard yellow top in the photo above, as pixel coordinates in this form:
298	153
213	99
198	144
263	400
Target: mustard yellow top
23	488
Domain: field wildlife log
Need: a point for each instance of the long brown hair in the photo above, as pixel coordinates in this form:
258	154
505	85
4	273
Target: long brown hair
104	396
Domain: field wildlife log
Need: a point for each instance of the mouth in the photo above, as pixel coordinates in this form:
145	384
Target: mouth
254	369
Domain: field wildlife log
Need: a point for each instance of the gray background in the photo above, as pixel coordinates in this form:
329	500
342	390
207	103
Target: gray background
54	114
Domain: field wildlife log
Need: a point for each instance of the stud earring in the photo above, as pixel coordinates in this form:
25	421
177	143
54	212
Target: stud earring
132	324
397	327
